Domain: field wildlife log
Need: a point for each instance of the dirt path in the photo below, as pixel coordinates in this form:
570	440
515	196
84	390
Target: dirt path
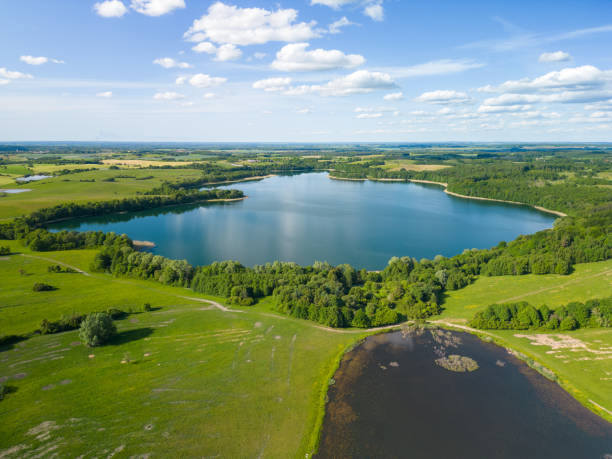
213	303
50	260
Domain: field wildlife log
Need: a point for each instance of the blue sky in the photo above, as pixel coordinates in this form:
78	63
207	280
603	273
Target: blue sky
306	71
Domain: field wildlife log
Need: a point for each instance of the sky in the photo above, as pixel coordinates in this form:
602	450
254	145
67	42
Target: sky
306	70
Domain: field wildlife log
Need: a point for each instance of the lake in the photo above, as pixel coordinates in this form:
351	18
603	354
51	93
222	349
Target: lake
391	399
309	217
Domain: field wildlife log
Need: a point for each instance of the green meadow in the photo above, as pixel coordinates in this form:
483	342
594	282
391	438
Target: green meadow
98	185
180	380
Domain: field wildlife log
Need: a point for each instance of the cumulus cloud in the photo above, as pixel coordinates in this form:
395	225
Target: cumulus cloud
273	84
228	52
360	82
362	116
11	75
205	47
156	7
296	57
169	63
443	97
31	60
202	80
585	77
110	9
105	94
226	24
335	26
335	4
557	56
375	12
394	96
168	96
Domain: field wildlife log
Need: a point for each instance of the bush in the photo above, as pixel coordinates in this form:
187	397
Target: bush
97	329
42	287
569	323
5	250
48	327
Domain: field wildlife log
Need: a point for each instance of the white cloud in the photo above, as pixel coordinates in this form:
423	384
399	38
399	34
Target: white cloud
303	111
228	52
110	9
363	116
259	55
251	26
335	26
205	47
169	63
156	7
335	4
31	60
360	82
209	95
443	97
572	79
202	80
10	75
557	97
375	12
168	96
394	96
180	80
557	56
295	57
105	94
273	84
3	81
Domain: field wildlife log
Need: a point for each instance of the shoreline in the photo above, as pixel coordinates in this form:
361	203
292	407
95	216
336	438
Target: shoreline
246	179
457	195
151	208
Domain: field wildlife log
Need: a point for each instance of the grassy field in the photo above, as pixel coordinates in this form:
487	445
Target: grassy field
87	186
589	280
410	165
178	381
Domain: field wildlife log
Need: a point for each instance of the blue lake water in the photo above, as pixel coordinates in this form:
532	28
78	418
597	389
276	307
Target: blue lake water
308	217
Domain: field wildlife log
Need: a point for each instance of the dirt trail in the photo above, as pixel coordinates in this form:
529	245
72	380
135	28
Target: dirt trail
80	271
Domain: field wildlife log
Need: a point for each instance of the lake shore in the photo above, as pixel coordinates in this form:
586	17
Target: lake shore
452	193
246	179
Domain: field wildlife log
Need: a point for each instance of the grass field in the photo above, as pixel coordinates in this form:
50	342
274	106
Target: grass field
87	186
589	280
410	165
179	381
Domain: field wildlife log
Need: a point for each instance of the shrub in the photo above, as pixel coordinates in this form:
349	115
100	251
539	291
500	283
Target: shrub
97	329
569	323
147	307
42	287
48	327
5	250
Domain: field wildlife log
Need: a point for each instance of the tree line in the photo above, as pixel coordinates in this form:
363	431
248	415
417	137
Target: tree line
523	316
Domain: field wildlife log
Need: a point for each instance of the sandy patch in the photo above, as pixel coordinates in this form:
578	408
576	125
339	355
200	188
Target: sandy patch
558	341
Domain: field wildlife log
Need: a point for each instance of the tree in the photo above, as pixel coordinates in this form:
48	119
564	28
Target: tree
97	329
569	323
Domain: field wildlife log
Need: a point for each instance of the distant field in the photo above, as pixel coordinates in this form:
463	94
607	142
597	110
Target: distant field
143	162
589	280
186	380
87	186
409	165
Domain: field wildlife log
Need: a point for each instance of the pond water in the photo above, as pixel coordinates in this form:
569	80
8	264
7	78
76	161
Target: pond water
391	399
32	178
308	217
15	190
